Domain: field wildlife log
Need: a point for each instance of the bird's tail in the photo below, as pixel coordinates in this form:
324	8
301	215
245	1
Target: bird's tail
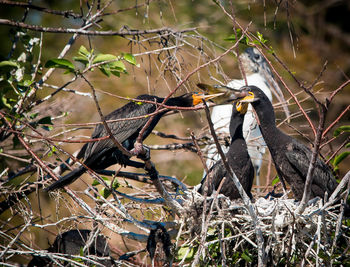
67	179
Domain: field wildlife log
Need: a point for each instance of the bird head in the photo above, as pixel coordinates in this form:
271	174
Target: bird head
223	94
250	94
242	105
254	63
198	97
226	94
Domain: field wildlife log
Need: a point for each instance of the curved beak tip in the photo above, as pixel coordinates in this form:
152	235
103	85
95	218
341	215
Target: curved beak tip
211	96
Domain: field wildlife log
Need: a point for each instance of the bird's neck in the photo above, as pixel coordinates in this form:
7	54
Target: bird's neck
236	127
268	128
266	117
179	101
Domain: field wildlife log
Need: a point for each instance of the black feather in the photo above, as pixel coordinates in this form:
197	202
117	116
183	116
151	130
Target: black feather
238	159
101	154
291	158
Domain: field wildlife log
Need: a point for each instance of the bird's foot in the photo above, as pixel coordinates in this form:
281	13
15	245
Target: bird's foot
141	152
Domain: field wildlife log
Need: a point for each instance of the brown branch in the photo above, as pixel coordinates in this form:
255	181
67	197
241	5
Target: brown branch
335	121
315	152
169	201
163	31
67	14
111	136
34	156
338	149
139	138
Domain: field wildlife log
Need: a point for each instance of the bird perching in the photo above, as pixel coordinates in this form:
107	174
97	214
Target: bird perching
237	157
258	73
125	124
291	158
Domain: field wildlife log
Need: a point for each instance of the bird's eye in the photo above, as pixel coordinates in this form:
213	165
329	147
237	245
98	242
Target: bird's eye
256	56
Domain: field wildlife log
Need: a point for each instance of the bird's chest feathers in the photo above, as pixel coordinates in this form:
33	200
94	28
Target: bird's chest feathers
238	151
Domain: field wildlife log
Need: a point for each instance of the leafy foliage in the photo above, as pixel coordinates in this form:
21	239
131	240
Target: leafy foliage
17	74
108	64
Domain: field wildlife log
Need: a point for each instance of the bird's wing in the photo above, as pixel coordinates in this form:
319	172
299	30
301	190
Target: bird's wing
121	130
216	173
300	156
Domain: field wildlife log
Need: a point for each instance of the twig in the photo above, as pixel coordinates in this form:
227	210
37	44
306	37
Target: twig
315	151
245	198
66	14
111	136
81	31
139	138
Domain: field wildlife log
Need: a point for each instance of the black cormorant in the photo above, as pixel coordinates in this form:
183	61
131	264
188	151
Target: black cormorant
258	73
237	157
101	154
291	158
72	242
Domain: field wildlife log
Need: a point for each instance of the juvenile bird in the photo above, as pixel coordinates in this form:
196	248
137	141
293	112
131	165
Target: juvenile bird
237	157
257	73
290	157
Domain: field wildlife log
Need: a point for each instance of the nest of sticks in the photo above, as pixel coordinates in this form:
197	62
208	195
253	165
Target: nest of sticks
217	230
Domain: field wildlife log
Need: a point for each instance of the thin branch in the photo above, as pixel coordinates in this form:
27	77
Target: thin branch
111	136
162	31
68	13
139	138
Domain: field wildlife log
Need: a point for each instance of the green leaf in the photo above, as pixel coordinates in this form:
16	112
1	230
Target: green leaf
52	151
114	68
115	184
47	128
34	115
261	38
275	181
105	71
105	192
117	65
344	128
232	37
95	182
103	57
23	85
8	102
81	59
271	51
8	63
339	158
45	120
60	63
246	256
82	251
83	51
131	59
116	73
190	251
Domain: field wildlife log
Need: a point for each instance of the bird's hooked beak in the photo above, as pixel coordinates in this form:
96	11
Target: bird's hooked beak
241	107
199	97
247	96
225	94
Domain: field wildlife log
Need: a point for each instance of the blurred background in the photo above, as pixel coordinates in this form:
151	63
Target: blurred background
303	34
